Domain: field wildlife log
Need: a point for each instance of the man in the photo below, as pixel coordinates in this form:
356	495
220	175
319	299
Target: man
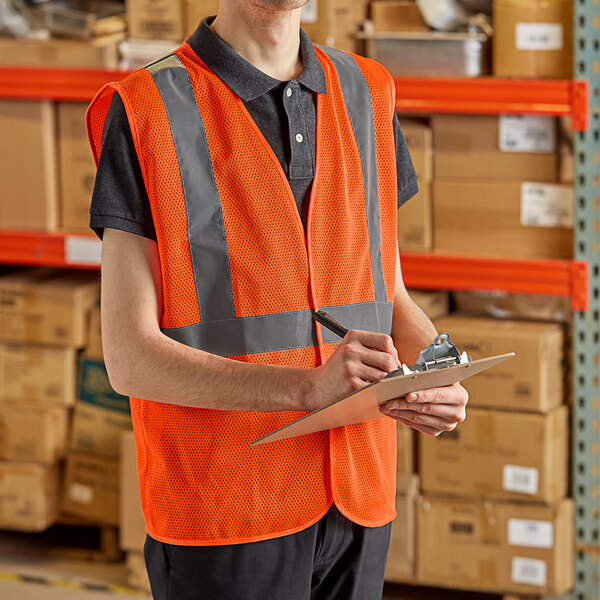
245	181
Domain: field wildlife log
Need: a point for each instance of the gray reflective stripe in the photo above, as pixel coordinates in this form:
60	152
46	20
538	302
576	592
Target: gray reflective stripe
206	231
368	316
279	331
357	98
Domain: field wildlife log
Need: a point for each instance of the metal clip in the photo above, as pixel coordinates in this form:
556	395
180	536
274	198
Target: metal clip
441	353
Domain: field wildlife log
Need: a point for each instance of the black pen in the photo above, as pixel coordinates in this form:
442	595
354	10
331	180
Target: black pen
328	321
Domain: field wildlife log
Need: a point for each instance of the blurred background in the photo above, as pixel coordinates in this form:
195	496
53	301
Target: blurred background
500	106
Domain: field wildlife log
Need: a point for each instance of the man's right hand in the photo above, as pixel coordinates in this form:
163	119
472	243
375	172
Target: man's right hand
360	358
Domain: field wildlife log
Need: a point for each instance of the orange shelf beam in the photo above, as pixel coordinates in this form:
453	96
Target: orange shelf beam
478	95
49	249
50	83
541	277
488	95
420	271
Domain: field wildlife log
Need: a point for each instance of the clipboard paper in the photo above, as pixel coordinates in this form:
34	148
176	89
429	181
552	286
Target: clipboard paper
363	405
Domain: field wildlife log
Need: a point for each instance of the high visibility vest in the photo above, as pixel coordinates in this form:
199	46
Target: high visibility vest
241	278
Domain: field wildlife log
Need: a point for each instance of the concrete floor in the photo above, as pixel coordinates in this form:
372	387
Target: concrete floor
47	579
24	578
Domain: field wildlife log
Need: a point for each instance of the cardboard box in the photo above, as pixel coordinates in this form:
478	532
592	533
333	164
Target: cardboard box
93	350
28	496
167	19
435	304
99	53
29	169
42	375
155	19
415	222
333	22
397	15
419	141
132	532
533	38
91	488
406	463
487	147
401	555
499	454
47	307
484	218
33	434
77	169
502	305
195	10
496	547
531	381
100	415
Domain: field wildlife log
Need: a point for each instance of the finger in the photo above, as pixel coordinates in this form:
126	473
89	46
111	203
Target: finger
452	394
376	341
422	428
448	412
367	373
421	419
379	360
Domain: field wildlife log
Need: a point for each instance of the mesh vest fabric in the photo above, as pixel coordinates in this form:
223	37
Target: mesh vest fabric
200	481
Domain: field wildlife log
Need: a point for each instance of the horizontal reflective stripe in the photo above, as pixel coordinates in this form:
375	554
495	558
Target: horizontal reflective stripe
279	331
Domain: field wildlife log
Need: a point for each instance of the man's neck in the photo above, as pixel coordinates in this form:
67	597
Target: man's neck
268	38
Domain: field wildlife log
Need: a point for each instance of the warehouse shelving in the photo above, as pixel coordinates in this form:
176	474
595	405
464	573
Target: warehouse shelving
586	327
420	271
485	95
579	279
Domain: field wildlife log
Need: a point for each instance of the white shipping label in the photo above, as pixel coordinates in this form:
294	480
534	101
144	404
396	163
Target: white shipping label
539	36
520	479
520	133
547	205
529	571
532	534
83	494
309	12
80	250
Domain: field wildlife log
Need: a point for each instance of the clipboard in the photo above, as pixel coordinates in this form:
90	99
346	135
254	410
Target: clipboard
363	405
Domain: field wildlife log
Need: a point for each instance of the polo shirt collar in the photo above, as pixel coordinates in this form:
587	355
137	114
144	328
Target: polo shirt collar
243	78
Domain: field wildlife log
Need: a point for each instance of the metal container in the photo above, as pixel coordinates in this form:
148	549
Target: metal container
430	53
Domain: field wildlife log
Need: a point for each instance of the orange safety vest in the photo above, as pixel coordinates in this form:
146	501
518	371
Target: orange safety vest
240	279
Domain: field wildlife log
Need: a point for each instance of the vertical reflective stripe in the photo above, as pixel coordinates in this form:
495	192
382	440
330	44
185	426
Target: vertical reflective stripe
357	98
206	231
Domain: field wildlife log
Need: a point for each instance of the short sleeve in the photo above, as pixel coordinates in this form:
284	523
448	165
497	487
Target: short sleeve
119	199
407	178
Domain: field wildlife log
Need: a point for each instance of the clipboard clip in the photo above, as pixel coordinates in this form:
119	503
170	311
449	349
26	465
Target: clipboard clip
441	353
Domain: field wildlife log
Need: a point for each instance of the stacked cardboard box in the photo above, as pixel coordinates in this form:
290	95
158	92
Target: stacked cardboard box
334	22
43	323
28	169
494	500
397	15
533	38
496	190
131	521
415	223
91	487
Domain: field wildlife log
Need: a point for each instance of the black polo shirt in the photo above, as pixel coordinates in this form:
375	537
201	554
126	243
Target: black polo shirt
284	111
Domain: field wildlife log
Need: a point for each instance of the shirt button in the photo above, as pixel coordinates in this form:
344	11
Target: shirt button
299	137
288	92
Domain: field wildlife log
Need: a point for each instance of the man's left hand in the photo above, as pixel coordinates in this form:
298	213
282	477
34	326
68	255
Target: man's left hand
430	411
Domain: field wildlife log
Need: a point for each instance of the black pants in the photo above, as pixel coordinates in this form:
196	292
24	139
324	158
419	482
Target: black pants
334	559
